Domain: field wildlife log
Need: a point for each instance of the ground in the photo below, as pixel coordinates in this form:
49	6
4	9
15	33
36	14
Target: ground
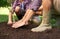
6	32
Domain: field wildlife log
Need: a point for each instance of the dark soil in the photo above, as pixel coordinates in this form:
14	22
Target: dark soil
6	32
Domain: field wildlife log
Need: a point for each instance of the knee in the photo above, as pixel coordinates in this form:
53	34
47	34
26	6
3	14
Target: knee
17	9
47	4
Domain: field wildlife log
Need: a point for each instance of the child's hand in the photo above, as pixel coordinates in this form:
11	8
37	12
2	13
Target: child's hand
10	23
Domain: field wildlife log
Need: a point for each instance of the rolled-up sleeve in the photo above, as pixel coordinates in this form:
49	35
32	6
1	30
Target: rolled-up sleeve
16	3
35	4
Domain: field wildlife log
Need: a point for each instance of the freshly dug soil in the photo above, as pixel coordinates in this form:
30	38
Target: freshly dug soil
6	32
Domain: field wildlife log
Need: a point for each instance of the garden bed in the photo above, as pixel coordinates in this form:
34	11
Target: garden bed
6	32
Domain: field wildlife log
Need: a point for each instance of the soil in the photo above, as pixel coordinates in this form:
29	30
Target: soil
6	32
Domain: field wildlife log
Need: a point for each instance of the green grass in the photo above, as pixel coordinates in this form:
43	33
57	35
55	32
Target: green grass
3	18
4	14
4	11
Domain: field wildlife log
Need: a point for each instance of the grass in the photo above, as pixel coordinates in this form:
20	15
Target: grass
4	11
4	14
3	18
